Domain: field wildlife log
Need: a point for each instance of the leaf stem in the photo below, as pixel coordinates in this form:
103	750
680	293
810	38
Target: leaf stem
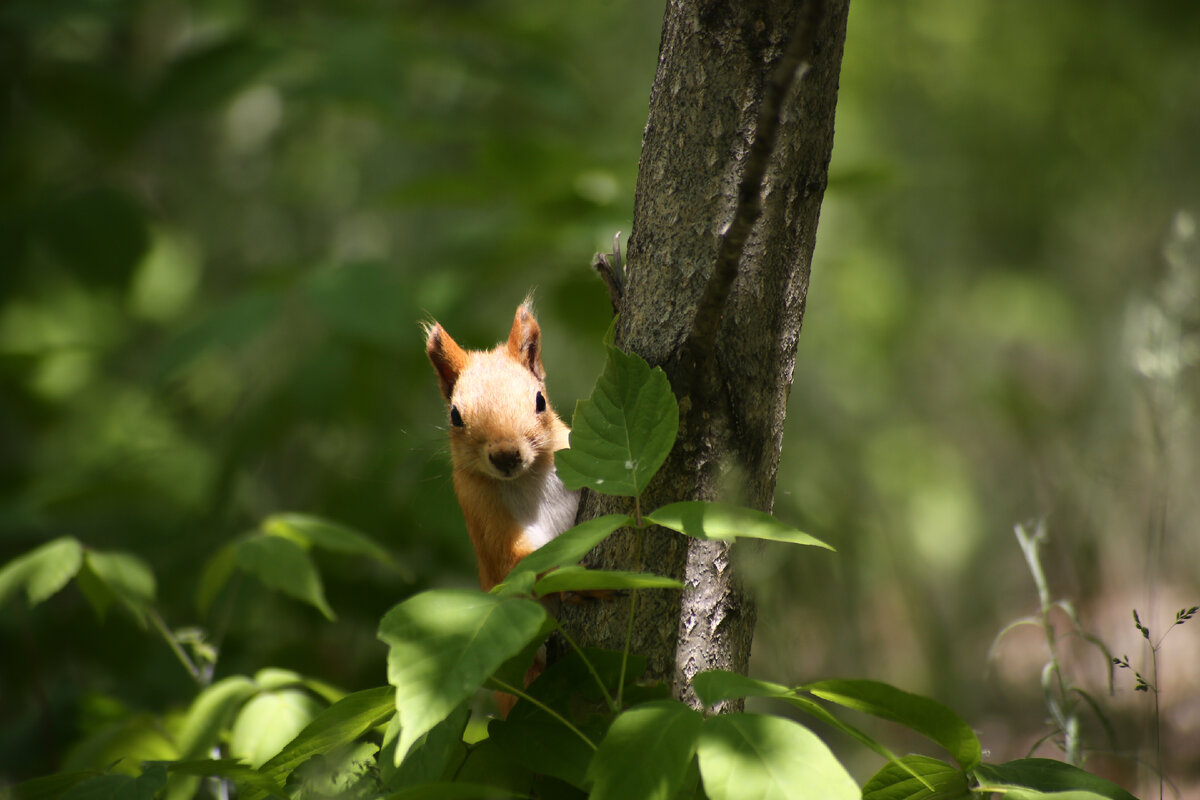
505	687
161	626
613	705
633	598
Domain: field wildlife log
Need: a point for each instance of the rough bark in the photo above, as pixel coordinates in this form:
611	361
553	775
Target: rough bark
716	63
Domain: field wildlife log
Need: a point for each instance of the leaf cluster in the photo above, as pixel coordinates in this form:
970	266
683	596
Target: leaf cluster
586	727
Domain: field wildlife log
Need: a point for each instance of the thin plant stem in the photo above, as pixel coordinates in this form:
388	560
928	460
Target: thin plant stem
506	687
161	626
613	705
633	598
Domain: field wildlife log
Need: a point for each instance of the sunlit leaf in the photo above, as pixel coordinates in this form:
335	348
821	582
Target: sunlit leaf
937	781
581	579
268	722
715	685
570	545
623	433
725	522
432	754
42	572
925	716
285	566
757	757
1048	776
343	722
443	645
210	713
646	752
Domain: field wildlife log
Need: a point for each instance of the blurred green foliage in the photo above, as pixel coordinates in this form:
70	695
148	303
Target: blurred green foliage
222	221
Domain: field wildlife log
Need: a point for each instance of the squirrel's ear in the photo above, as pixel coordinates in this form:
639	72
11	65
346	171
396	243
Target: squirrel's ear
525	341
447	357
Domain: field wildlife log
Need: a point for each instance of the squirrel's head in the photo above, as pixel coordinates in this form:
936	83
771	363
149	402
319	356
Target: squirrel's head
501	423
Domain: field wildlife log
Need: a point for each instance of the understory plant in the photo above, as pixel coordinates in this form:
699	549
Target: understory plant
589	726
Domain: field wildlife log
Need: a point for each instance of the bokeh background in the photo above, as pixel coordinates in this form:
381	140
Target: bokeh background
222	222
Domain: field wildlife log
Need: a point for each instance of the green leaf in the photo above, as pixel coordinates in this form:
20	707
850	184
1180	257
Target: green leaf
211	713
768	758
918	778
443	645
215	575
246	778
715	685
120	787
268	722
428	760
1047	775
725	522
927	717
283	565
581	579
623	433
317	532
646	752
42	572
51	786
341	723
125	577
569	546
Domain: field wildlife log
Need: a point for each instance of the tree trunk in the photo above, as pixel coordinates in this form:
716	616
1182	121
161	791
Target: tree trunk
716	63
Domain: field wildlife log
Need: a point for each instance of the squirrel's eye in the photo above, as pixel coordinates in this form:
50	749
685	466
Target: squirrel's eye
455	418
540	403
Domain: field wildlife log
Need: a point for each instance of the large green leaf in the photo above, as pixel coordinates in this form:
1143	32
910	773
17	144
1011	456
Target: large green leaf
268	722
566	548
284	565
621	435
725	522
646	752
438	750
715	685
925	716
757	757
211	712
42	572
341	723
580	579
918	778
443	645
314	531
1047	775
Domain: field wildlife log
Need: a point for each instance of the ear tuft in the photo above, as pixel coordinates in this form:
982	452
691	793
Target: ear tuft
447	357
525	340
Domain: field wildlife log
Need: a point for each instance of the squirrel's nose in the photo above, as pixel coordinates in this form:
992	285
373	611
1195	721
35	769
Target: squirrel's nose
506	461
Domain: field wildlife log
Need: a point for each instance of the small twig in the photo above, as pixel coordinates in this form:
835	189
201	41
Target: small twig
611	268
698	349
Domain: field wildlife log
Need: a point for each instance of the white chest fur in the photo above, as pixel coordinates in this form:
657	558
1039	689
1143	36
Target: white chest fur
541	505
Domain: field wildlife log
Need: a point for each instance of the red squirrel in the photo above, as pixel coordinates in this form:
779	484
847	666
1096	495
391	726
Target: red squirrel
503	434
